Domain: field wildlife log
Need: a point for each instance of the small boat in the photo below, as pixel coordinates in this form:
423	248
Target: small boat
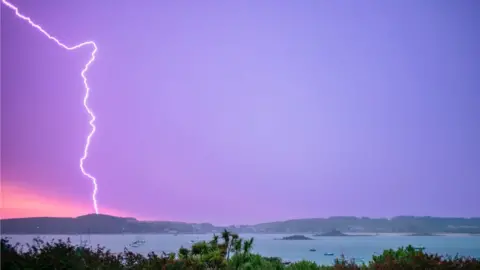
192	241
137	243
313	250
328	254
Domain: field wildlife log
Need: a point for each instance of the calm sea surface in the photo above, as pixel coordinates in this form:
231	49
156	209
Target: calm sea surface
353	247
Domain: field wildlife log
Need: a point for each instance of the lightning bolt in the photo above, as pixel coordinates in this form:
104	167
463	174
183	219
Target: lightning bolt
85	98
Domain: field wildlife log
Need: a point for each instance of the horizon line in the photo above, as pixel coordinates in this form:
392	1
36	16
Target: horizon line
329	217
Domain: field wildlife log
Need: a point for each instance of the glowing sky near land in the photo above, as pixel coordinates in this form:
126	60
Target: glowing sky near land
22	202
245	111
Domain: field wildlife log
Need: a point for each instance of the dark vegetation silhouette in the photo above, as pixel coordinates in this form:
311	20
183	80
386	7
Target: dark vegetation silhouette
226	251
106	224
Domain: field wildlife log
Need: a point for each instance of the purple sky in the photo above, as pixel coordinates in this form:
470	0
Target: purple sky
248	111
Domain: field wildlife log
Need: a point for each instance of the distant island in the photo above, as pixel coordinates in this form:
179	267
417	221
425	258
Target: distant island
344	226
295	237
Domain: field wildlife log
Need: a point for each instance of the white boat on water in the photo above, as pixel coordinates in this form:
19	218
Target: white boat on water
137	243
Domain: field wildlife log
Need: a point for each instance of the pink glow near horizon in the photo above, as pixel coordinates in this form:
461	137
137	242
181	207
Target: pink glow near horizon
20	202
85	99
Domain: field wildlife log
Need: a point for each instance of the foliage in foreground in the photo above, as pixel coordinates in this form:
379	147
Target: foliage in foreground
227	251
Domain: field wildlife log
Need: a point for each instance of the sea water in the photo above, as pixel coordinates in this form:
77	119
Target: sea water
360	247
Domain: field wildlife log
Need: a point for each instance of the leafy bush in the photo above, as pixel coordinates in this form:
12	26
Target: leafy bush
226	252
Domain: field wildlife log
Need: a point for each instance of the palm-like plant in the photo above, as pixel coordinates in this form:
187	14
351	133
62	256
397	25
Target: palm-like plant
214	241
232	243
247	246
237	246
226	236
